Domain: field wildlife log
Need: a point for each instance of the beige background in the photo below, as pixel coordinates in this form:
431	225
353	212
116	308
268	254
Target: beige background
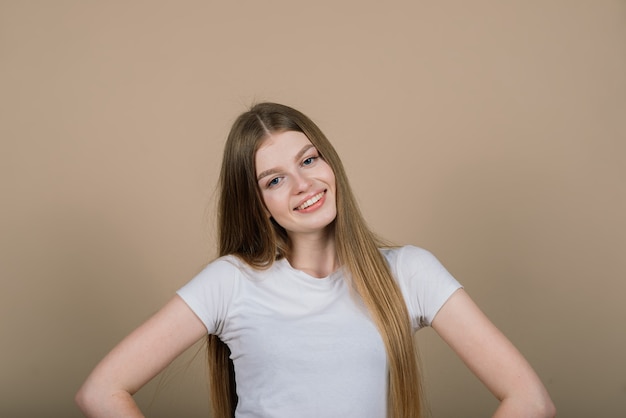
492	133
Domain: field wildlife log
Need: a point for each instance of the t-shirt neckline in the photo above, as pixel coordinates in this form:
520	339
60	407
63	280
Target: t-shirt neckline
331	277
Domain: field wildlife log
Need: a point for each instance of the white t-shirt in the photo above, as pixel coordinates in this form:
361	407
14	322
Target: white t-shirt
304	346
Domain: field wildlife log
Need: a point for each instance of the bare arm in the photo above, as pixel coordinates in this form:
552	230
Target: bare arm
139	357
492	358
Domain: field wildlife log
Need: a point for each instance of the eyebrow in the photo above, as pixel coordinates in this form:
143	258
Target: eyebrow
296	158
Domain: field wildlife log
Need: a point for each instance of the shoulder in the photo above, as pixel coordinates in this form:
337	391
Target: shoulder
229	265
414	263
230	271
409	259
222	268
221	274
212	291
423	280
390	252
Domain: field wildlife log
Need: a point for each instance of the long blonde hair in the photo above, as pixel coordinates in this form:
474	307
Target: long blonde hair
245	231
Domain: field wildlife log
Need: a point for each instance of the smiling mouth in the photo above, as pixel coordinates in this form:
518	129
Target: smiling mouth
311	201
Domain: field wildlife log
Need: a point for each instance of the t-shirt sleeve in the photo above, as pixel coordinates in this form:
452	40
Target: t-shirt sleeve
425	284
209	293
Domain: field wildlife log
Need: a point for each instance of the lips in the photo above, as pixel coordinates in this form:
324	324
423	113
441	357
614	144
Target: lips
310	201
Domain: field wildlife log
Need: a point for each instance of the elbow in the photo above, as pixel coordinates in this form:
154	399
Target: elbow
94	400
87	400
544	407
538	406
549	409
82	399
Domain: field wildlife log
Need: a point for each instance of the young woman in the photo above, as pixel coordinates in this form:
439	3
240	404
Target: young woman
306	313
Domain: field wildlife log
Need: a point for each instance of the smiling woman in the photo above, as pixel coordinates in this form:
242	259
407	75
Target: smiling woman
305	312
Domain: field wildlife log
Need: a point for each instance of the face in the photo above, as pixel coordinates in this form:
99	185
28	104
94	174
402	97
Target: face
297	185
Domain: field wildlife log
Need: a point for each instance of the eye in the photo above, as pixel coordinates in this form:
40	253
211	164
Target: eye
273	182
309	160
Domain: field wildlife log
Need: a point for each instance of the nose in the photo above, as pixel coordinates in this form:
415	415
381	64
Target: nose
302	183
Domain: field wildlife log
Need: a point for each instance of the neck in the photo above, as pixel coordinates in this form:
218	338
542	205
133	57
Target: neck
314	254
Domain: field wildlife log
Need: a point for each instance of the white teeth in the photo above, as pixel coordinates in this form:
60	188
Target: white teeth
310	201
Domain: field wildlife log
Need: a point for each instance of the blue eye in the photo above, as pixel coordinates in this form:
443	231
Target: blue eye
309	161
273	182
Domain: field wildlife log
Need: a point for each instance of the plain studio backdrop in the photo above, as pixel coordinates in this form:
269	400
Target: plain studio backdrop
491	133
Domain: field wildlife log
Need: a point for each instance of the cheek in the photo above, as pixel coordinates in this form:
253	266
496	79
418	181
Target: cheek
331	177
271	203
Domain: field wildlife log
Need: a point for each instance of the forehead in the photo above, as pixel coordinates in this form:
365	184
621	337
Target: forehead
280	148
